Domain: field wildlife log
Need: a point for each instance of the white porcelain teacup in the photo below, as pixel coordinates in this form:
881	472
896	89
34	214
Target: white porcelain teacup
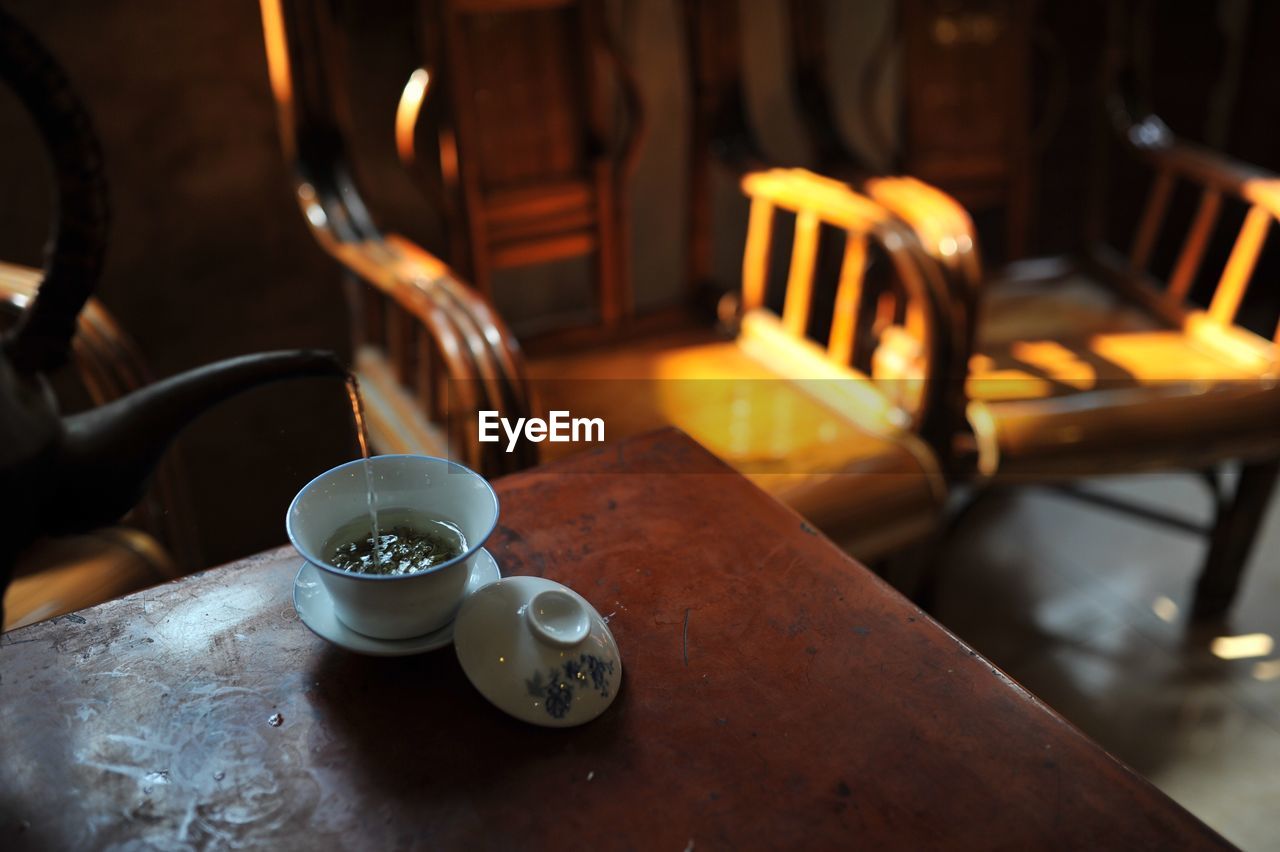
405	605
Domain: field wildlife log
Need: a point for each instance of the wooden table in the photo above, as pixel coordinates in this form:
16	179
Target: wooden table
775	695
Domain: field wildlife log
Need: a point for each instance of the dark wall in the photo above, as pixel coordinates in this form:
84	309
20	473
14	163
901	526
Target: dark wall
1207	68
208	256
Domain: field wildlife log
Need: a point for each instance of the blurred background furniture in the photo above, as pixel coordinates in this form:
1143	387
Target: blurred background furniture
429	350
964	118
1100	363
794	412
794	415
724	139
532	156
60	575
1080	366
965	123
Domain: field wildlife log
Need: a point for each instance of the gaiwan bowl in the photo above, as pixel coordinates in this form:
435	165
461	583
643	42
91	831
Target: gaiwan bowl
398	606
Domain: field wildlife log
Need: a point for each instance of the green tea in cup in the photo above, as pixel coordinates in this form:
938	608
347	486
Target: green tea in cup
407	542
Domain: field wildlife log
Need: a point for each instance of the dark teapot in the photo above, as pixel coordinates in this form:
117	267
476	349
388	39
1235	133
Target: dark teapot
66	474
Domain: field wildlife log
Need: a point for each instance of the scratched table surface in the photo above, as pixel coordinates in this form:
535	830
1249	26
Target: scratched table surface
775	694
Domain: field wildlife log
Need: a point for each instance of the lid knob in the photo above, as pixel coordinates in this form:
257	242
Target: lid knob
558	618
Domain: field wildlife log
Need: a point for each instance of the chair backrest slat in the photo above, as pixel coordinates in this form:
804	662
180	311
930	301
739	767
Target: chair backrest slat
1189	259
1219	181
1152	218
755	261
844	320
1239	268
804	253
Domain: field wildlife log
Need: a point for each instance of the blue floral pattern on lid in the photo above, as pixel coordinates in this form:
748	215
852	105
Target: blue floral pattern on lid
558	669
557	690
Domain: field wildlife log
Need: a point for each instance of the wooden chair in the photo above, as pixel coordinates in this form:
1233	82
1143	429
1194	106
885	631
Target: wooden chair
429	350
59	575
1092	364
531	163
723	135
795	412
795	416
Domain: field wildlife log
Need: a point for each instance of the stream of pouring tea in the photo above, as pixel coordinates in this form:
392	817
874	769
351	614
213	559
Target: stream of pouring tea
357	411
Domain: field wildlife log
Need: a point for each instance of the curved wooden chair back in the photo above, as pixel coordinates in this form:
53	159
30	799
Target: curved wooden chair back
868	312
1215	180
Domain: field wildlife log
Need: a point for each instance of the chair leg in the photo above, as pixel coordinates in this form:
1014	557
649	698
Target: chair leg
1231	540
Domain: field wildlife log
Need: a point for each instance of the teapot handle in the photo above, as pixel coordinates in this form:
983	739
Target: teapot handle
77	243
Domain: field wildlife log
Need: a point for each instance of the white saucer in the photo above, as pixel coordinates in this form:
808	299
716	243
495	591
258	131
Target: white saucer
315	608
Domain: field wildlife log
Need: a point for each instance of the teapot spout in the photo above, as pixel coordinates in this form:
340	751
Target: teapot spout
109	452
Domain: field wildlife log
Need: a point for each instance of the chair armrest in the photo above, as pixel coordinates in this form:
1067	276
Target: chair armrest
945	231
477	355
482	360
941	223
1152	140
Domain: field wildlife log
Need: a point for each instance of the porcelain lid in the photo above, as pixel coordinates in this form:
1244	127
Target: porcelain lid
538	651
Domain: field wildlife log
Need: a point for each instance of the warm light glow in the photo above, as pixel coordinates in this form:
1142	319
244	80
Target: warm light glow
311	206
1264	192
1266	670
1244	647
448	157
1165	609
800	190
943	225
769	402
410	106
277	51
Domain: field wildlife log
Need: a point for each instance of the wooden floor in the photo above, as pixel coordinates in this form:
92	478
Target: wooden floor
1086	606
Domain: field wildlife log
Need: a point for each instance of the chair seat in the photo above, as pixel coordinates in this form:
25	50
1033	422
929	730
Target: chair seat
1053	309
1067	382
868	487
60	575
1042	368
